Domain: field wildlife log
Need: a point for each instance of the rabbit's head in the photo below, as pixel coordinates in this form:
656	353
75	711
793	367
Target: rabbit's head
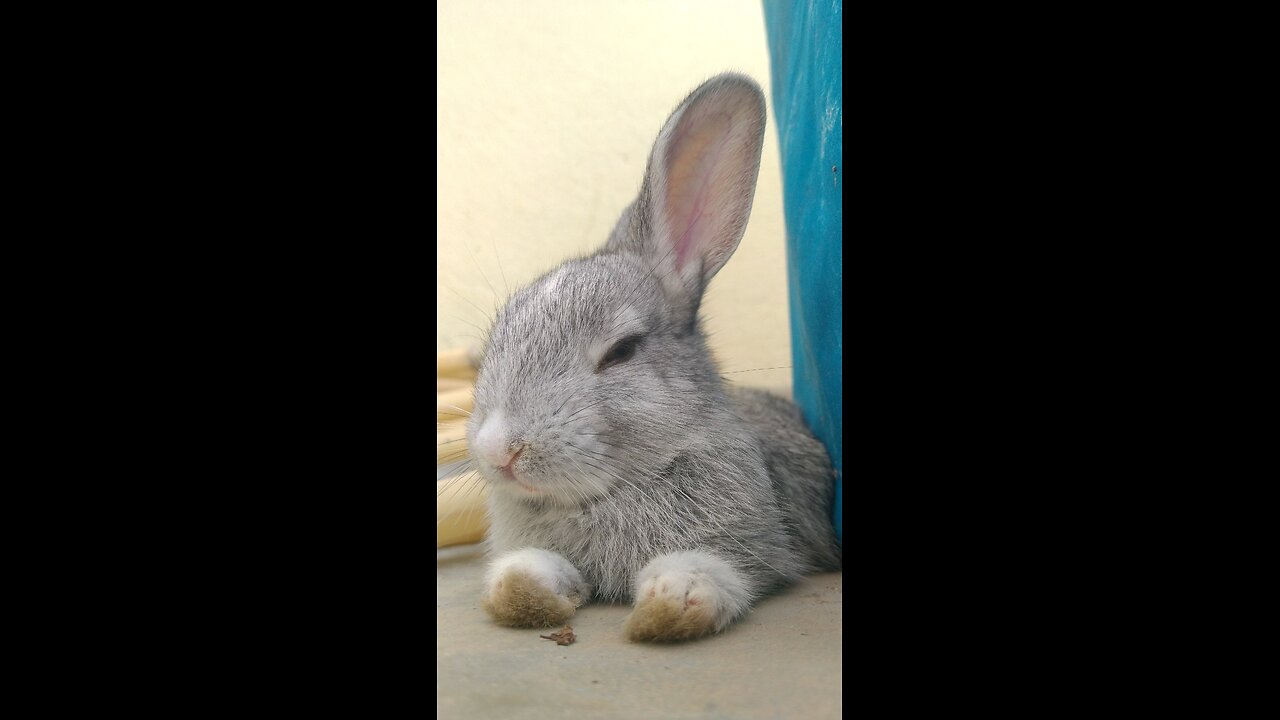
597	373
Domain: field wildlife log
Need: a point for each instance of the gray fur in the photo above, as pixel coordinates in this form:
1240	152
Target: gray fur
655	454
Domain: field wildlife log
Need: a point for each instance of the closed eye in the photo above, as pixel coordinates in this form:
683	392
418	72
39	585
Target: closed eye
620	352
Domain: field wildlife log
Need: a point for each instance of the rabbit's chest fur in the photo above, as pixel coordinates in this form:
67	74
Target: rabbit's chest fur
727	508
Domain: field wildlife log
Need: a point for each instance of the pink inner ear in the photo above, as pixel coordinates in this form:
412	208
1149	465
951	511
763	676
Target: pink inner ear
684	246
695	153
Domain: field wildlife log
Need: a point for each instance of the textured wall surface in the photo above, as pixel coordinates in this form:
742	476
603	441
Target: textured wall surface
547	112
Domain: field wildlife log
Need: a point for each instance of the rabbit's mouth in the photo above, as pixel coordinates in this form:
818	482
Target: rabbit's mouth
510	474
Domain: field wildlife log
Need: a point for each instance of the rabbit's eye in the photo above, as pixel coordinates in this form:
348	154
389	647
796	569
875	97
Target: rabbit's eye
620	352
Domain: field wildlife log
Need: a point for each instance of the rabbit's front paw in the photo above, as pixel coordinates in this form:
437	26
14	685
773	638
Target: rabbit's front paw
533	588
685	595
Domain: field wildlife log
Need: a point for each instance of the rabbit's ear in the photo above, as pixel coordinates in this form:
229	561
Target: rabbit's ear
700	183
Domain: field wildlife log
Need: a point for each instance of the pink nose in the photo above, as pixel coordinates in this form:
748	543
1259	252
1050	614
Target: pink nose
493	443
506	459
501	458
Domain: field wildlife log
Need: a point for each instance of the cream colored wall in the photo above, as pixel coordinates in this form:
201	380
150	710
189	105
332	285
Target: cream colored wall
546	115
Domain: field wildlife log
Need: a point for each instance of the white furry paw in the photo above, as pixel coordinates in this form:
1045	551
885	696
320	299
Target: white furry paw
685	595
533	588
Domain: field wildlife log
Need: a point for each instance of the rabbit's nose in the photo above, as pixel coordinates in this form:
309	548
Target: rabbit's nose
511	458
492	443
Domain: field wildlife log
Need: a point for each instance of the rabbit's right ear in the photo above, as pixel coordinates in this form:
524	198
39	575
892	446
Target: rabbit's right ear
699	185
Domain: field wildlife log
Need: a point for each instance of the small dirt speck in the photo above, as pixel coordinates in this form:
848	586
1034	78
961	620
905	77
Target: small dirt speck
564	637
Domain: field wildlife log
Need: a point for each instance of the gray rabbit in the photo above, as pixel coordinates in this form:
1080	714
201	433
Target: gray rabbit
621	467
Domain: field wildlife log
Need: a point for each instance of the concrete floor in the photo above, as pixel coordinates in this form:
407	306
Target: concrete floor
782	660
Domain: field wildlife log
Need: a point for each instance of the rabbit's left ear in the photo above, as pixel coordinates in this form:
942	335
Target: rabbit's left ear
701	181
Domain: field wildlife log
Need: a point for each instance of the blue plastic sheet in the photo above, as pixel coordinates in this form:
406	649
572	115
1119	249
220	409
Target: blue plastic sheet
806	57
